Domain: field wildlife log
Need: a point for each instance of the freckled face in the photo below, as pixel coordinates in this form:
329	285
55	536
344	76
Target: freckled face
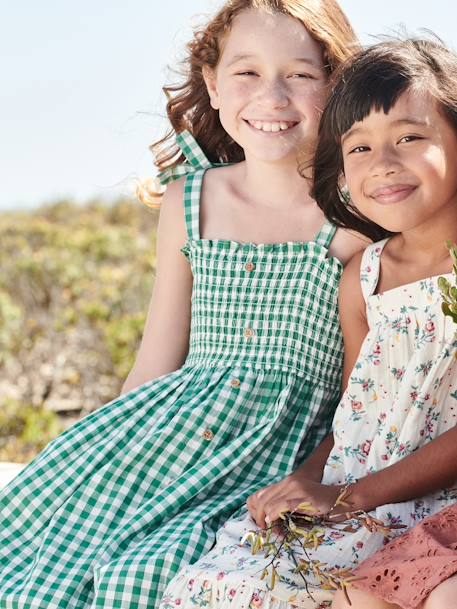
400	167
270	85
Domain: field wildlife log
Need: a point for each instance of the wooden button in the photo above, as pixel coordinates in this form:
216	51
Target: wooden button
208	435
249	267
249	333
235	383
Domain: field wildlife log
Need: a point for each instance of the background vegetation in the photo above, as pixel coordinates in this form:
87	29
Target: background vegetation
75	283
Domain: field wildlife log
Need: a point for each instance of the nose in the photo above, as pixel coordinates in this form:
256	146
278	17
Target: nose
274	95
385	162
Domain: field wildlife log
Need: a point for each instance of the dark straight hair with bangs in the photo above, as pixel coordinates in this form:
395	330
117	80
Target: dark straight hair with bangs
374	80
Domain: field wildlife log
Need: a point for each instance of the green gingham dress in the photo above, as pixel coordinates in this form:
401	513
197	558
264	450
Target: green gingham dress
119	503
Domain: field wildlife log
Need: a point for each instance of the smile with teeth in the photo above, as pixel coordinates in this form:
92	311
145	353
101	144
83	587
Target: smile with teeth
272	126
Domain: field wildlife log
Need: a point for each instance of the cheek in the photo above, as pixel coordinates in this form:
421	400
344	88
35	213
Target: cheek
235	92
353	177
434	164
314	99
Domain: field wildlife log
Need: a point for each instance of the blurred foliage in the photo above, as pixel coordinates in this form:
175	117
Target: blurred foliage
74	290
25	430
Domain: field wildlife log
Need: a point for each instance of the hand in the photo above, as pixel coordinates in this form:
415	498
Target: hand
266	505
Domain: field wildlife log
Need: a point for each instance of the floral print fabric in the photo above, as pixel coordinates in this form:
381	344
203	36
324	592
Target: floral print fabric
402	393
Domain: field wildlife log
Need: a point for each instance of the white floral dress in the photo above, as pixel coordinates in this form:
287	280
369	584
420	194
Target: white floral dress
402	393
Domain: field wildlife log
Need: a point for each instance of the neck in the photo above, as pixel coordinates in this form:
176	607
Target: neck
274	184
426	244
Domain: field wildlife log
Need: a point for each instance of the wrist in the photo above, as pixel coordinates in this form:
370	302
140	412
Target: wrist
358	499
341	502
309	471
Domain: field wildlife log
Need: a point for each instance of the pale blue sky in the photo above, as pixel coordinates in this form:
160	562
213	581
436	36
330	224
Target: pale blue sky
81	85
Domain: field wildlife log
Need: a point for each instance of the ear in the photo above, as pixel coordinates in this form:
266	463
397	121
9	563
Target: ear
209	76
343	190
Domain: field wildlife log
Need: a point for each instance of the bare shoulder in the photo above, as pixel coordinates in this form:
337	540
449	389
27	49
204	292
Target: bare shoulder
351	273
346	244
217	200
173	198
172	219
219	182
353	317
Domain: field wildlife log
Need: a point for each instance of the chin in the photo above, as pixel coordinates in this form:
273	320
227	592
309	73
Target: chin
271	153
279	160
397	226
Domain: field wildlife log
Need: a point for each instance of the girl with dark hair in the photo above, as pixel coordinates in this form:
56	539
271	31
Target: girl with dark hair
239	369
385	165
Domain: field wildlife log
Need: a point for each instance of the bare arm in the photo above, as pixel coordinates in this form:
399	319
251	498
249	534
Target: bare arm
428	469
165	339
355	328
432	467
346	244
352	315
304	484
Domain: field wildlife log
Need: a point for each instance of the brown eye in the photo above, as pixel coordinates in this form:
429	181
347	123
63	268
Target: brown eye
410	138
359	149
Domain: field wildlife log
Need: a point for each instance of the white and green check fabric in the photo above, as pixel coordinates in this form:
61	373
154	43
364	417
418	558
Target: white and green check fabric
195	158
112	509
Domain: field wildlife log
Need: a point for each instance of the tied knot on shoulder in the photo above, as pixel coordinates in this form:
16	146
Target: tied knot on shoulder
195	160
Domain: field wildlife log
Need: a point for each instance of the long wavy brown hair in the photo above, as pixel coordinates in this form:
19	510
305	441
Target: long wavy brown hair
188	104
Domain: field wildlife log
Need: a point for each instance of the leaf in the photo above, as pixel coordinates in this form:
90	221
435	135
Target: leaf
273	578
446	309
444	287
307	508
248	537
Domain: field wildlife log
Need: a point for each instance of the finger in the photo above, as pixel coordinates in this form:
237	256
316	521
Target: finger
252	507
256	505
260	514
273	493
275	509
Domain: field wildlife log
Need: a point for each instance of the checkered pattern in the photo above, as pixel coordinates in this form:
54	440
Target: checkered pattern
195	157
286	303
114	507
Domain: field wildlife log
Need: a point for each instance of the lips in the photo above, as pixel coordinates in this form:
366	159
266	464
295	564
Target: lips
393	193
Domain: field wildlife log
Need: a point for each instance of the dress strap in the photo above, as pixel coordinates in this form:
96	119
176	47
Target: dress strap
194	168
370	267
195	157
192	196
326	234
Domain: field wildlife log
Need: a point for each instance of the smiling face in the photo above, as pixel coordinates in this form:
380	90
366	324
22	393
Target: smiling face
270	85
400	167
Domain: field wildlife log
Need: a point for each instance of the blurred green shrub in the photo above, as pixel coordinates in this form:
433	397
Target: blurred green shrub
75	283
25	430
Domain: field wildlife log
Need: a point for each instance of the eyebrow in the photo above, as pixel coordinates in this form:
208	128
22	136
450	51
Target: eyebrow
237	58
241	57
401	121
